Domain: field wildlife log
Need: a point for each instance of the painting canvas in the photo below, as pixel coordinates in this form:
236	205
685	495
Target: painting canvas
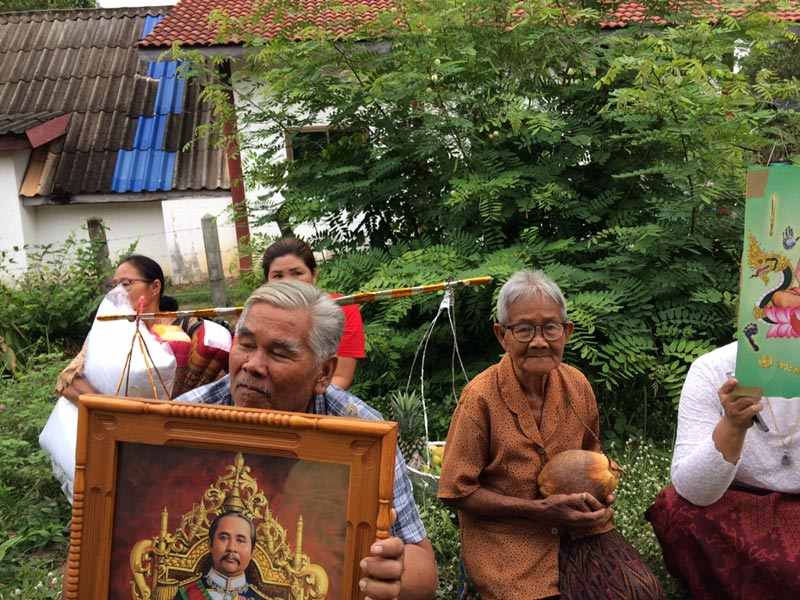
152	476
769	303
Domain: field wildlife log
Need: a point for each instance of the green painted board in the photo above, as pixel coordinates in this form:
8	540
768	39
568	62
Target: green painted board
769	305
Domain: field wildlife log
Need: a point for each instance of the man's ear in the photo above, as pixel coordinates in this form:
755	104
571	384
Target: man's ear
325	374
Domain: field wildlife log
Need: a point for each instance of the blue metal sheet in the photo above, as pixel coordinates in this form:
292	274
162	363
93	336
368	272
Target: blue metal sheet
150	132
143	170
162	69
147	167
150	22
169	97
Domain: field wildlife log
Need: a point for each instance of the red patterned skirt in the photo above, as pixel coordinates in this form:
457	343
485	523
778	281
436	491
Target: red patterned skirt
746	545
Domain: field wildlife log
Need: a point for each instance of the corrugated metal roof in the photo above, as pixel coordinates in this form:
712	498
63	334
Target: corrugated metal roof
128	117
20	123
143	170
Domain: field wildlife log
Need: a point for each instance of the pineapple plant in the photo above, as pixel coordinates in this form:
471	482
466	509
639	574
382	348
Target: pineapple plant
407	410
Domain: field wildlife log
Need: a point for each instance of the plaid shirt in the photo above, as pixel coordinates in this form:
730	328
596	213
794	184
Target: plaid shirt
338	402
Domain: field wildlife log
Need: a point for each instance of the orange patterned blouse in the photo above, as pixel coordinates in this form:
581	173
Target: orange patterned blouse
495	443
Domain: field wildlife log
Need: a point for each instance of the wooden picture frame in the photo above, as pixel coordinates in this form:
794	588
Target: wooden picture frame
151	475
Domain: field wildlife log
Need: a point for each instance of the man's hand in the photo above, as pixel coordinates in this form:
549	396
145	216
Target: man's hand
395	570
383	569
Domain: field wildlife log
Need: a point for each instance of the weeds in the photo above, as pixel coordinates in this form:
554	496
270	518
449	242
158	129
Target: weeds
33	513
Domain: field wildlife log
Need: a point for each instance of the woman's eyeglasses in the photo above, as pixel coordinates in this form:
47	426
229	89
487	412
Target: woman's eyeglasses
127	282
525	332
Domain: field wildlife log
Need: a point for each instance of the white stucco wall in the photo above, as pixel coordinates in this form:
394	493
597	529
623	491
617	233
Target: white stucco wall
169	232
182	221
17	223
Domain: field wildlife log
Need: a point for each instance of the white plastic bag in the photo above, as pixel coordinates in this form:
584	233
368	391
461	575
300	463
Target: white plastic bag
106	354
107	351
59	440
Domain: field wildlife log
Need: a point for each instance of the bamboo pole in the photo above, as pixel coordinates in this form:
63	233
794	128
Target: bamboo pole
360	298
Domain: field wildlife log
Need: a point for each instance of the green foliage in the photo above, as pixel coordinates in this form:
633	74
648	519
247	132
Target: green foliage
477	138
33	512
21	5
50	303
445	536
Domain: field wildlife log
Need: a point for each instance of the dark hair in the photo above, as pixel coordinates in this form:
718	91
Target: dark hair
151	270
284	247
212	530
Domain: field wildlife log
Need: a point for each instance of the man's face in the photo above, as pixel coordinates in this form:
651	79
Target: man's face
232	546
271	363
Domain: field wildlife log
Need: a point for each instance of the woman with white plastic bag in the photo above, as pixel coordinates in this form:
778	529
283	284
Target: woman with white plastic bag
113	361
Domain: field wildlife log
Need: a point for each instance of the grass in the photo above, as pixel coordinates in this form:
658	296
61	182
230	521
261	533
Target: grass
199	295
33	512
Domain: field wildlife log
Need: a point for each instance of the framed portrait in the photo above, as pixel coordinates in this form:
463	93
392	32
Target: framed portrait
155	479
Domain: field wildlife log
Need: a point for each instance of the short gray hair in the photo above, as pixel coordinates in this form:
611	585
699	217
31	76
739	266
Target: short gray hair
528	284
327	318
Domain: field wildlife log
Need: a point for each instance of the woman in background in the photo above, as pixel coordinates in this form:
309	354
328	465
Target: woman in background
142	277
292	258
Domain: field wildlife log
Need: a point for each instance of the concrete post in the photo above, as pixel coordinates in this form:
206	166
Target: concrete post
216	274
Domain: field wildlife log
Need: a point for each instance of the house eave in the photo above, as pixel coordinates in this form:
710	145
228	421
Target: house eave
83	199
163	54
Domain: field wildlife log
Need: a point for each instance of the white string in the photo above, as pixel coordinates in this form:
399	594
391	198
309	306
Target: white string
447	303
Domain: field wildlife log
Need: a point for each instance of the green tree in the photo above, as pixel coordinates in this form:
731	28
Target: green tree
478	137
23	5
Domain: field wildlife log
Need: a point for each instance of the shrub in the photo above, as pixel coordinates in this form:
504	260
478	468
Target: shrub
50	304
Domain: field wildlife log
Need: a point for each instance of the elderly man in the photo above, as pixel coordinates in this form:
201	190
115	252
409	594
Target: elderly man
283	358
231	541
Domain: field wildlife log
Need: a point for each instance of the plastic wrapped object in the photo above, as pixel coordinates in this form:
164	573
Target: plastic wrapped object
210	348
107	368
59	440
110	343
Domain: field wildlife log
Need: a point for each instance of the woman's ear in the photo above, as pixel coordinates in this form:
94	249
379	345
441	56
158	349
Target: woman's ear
500	334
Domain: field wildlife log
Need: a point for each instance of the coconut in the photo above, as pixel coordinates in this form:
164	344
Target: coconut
578	471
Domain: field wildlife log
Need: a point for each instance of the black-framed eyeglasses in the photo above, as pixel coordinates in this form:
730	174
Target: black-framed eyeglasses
127	282
552	331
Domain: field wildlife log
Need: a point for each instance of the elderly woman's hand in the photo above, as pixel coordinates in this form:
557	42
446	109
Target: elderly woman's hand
577	511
